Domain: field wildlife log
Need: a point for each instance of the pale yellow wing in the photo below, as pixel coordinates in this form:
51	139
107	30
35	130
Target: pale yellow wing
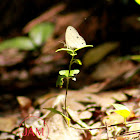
73	39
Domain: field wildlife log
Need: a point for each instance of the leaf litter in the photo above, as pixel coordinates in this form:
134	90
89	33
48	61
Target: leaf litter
86	109
89	104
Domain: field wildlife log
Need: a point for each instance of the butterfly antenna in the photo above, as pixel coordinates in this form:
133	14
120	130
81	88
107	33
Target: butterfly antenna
63	43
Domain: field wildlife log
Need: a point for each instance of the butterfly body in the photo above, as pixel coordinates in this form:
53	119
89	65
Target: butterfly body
73	39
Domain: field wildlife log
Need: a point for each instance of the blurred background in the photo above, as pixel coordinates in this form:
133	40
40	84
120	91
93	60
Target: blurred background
31	31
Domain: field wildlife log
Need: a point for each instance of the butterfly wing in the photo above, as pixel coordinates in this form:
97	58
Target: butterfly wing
73	39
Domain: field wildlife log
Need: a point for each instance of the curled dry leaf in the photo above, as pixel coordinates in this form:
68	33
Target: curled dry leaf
25	105
24	102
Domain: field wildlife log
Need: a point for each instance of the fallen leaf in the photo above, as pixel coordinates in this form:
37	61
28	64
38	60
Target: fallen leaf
110	68
99	52
6	136
7	124
24	102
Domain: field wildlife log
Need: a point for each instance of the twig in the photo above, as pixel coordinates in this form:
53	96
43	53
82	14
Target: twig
107	130
102	127
44	17
127	133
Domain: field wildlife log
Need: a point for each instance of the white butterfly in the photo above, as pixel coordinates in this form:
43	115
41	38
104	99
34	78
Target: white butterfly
73	39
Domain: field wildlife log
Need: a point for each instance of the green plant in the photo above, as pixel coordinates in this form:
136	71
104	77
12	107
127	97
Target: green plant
69	74
135	58
121	110
74	42
36	37
71	35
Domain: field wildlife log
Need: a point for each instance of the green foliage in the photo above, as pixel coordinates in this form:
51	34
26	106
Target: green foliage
135	57
60	81
83	47
69	73
77	61
21	43
41	32
71	51
65	74
64	49
60	113
131	57
37	35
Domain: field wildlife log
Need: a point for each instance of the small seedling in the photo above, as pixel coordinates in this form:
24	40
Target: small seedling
121	110
74	42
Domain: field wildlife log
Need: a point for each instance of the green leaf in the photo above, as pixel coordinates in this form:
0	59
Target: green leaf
66	72
77	61
60	81
64	49
135	57
72	53
69	51
60	113
120	107
21	43
41	32
74	72
83	47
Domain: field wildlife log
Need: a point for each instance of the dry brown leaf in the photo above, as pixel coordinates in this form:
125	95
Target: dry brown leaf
25	105
6	136
96	87
133	92
58	129
77	102
131	21
7	124
24	102
11	56
96	54
111	68
95	125
113	118
85	115
132	133
134	127
104	99
75	99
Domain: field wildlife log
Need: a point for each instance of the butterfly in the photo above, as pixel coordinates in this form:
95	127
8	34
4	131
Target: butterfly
73	39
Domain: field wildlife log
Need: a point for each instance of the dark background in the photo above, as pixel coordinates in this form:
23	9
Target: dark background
15	14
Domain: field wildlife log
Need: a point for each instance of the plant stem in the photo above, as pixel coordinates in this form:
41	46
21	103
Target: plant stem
67	86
